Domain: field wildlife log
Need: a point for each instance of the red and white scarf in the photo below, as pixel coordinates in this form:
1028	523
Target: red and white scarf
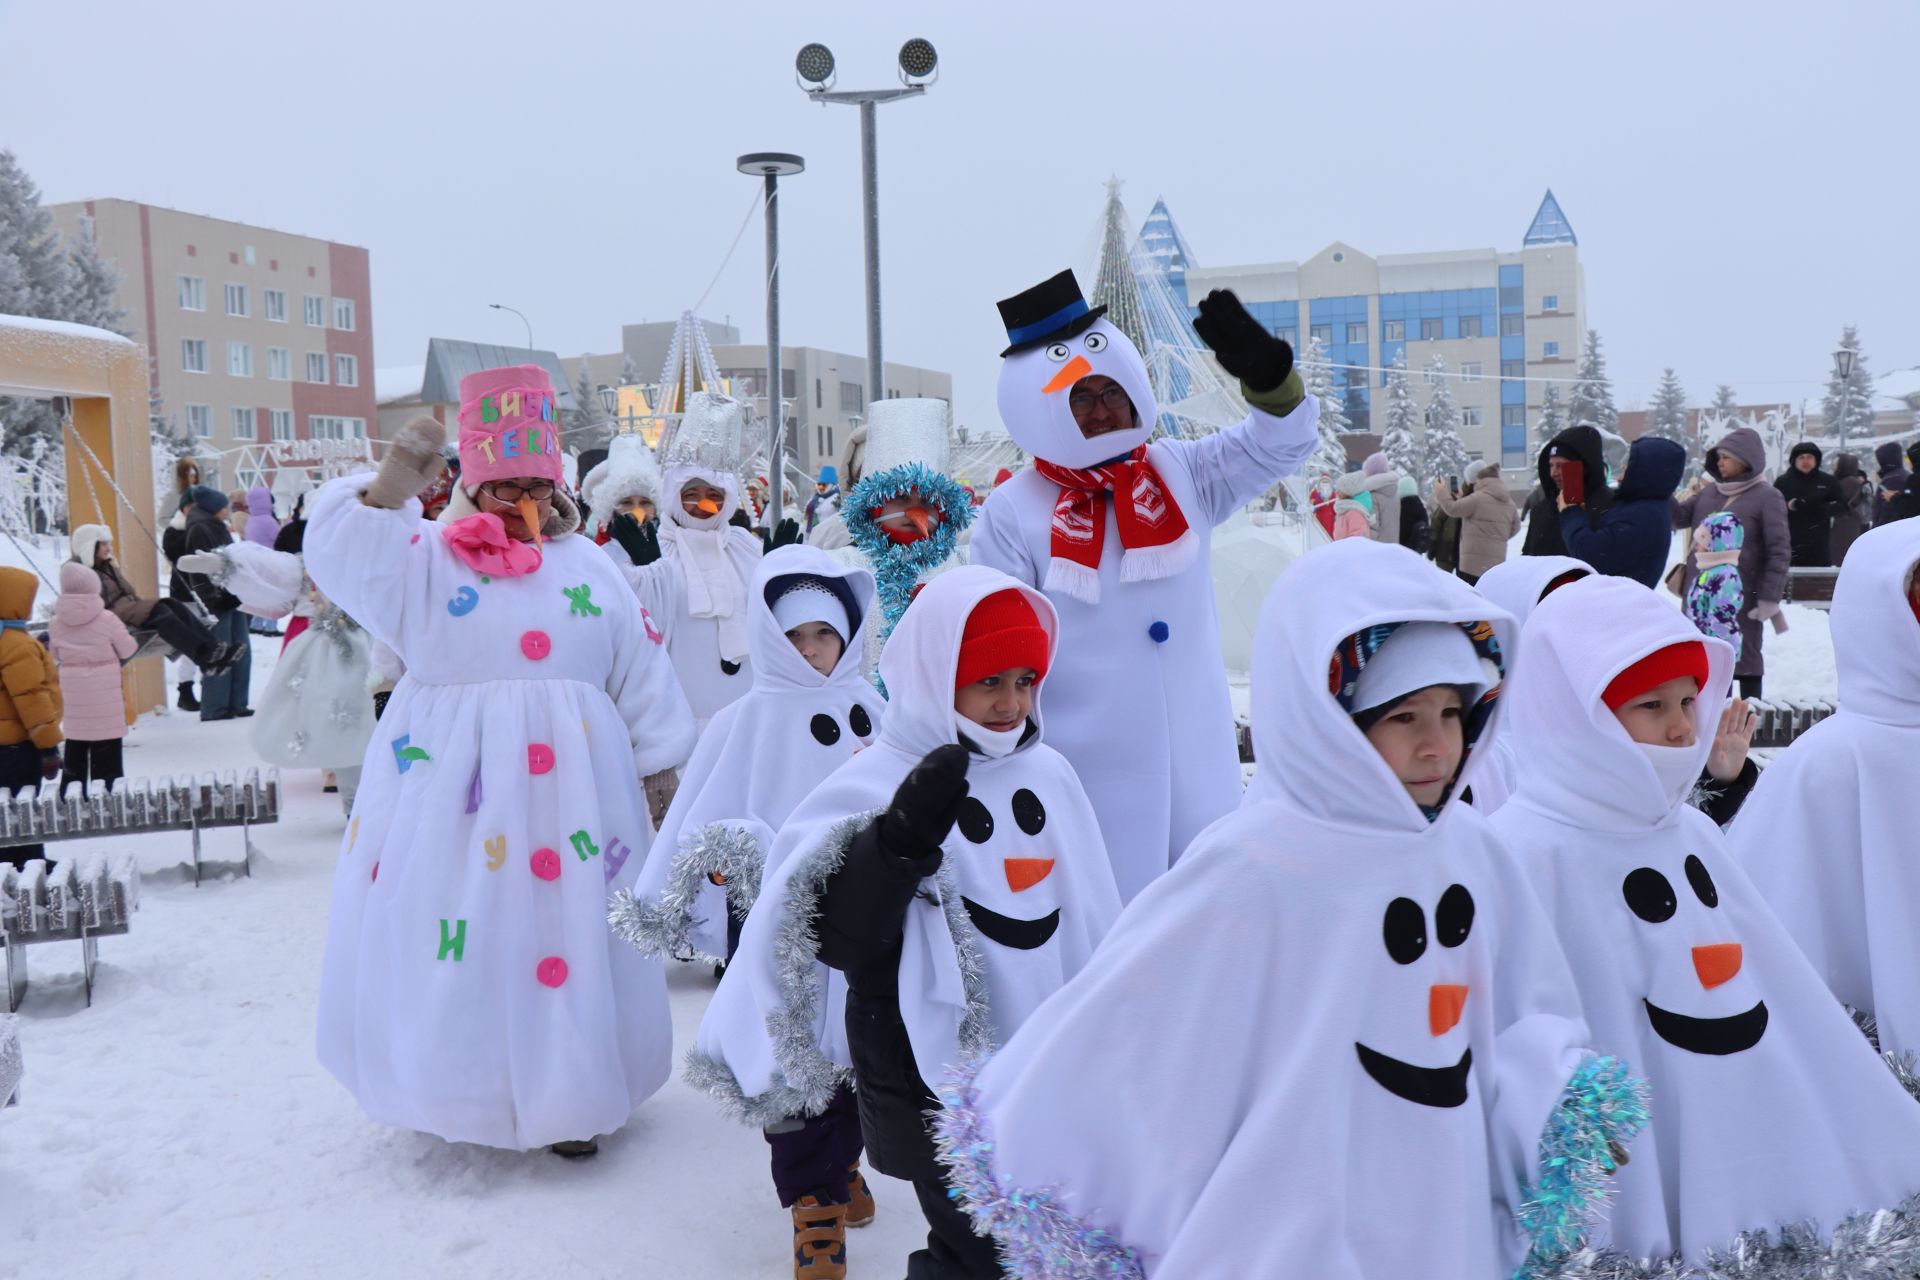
1154	538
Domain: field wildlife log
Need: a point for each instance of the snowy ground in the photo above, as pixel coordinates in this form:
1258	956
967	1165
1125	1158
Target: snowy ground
182	1128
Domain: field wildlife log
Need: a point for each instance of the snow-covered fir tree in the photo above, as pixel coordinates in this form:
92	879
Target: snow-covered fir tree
1847	408
1400	440
1551	422
1725	404
41	283
1592	403
629	373
1331	456
1444	454
1667	415
579	422
92	282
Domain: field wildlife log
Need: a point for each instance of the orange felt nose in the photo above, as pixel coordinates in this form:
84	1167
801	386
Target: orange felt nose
1716	964
1024	873
1444	1005
1076	369
709	506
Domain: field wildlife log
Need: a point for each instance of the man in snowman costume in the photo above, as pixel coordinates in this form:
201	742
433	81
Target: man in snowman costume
1115	530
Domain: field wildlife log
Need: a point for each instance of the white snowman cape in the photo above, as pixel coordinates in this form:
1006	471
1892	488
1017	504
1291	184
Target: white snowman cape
1828	834
757	759
1141	707
471	987
1325	1044
1514	585
713	670
1769	1108
1023	897
315	712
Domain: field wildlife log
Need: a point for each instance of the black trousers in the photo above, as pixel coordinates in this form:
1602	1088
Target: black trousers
91	762
1750	686
20	771
813	1155
953	1251
181	629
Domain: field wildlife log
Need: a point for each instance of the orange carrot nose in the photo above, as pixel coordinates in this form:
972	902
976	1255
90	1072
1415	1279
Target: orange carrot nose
1444	1005
1076	369
530	516
1024	873
919	518
1716	964
708	506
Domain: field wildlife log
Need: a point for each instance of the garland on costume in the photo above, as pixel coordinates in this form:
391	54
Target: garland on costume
661	927
1884	1242
898	567
1601	1108
1039	1238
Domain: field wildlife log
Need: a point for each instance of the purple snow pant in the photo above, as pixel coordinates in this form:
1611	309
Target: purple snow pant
812	1155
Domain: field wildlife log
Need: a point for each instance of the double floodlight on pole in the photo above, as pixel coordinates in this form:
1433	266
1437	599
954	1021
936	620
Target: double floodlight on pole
770	166
918	67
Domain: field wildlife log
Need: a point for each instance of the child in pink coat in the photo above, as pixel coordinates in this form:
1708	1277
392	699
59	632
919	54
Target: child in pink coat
89	643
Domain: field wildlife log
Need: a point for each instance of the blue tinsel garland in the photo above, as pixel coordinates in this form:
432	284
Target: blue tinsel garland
897	567
1603	1104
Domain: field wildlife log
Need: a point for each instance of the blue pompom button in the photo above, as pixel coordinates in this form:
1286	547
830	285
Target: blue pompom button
1159	631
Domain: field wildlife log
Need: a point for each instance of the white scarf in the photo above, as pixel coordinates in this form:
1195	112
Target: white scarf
714	589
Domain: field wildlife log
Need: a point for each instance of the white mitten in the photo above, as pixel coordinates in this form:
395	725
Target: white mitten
211	563
413	462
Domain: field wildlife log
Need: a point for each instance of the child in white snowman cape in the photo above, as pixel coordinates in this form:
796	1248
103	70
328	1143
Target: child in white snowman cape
1337	1039
951	875
471	987
1829	835
1777	1134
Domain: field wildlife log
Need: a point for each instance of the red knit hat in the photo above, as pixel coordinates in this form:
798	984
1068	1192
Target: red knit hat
1688	658
1003	632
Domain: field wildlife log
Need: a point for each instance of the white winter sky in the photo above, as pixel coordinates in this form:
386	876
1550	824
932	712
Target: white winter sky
1740	175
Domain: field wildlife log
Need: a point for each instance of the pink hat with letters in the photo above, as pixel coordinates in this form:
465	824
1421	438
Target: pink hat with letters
509	425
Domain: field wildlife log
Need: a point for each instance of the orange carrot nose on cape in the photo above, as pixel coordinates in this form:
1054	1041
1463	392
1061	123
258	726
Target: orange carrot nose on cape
1716	964
708	507
1444	1005
1024	873
1076	369
530	516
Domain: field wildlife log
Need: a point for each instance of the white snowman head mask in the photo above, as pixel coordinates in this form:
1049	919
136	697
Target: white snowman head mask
1056	342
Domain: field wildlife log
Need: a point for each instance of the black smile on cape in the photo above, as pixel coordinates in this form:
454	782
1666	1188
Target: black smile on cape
1428	1086
1021	935
1721	1036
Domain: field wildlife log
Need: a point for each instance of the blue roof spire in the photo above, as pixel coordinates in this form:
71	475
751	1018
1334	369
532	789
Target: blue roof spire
1550	225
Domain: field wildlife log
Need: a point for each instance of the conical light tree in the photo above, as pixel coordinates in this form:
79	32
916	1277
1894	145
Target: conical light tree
1115	286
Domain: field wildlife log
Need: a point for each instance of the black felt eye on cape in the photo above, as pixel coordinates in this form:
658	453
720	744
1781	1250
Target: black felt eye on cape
1702	882
826	730
1405	930
1028	813
861	722
1649	895
1453	918
975	822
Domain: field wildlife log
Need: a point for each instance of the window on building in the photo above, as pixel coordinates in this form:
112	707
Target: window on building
1512	325
321	427
193	355
1550	349
282	424
1470	370
853	397
346	371
829	442
1288	333
1470	416
279	364
1470	326
819	439
1432	329
786	384
1393	331
273	304
236	300
316	366
818	402
1551	302
243	424
1513	368
193	293
316	311
1321	333
199	420
240	359
249	255
1357	333
343	314
1513	415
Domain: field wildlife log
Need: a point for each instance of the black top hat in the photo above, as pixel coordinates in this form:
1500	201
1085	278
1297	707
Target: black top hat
1049	312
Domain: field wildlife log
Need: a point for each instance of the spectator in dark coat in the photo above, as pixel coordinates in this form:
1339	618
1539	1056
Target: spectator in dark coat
1906	503
1576	444
1443	540
1632	538
1893	480
1414	533
1856	506
223	695
1813	500
1740	460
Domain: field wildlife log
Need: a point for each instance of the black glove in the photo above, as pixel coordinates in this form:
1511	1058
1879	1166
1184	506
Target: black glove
742	519
50	765
925	807
641	541
1244	348
785	535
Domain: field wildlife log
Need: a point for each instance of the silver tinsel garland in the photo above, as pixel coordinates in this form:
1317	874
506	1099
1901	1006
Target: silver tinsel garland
976	1028
661	927
12	1061
1882	1245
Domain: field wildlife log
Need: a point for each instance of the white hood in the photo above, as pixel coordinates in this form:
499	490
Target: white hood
1876	638
88	537
1040	421
1516	583
629	471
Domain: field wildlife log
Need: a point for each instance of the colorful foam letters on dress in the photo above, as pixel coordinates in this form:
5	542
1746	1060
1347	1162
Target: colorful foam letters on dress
496	852
581	599
405	754
616	858
583	845
453	938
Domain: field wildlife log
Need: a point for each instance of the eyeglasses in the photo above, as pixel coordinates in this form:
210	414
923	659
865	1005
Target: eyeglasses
508	492
1114	398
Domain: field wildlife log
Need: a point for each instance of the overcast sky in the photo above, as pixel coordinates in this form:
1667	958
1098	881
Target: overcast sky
1742	176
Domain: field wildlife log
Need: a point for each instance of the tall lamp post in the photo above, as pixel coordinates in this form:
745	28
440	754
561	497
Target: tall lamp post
918	69
771	166
1843	366
499	306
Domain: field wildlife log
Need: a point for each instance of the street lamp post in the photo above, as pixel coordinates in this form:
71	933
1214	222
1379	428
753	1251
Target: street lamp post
770	165
1843	366
498	306
918	68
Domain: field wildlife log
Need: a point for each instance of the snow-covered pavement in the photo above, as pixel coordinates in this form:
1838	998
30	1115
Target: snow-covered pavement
181	1126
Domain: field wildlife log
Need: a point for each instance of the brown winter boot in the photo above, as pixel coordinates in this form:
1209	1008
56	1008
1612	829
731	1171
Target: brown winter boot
860	1212
819	1240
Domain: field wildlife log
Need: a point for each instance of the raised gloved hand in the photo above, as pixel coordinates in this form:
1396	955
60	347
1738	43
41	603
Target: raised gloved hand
925	807
740	519
785	535
207	562
1242	345
639	539
413	462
